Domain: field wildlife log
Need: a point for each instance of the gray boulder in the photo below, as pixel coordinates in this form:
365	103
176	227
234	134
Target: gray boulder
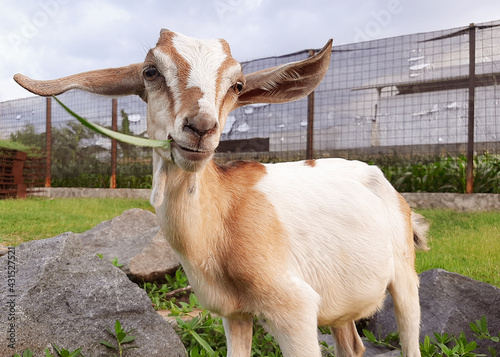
135	239
64	296
449	302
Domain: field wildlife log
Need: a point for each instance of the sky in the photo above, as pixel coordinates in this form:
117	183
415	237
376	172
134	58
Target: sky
46	39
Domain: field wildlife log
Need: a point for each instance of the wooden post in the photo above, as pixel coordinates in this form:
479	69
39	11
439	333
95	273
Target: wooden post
18	174
114	126
48	139
471	113
310	122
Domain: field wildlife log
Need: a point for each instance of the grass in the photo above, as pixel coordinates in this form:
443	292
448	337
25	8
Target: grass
467	243
37	218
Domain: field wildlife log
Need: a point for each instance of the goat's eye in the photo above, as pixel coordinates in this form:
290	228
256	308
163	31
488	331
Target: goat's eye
151	73
238	87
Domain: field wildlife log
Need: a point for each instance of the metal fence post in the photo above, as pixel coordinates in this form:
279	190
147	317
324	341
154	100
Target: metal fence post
471	113
114	126
310	122
48	141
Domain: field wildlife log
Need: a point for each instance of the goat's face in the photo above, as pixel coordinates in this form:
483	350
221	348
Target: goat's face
191	86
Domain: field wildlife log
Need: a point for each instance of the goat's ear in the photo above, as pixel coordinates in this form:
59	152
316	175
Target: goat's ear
112	81
287	82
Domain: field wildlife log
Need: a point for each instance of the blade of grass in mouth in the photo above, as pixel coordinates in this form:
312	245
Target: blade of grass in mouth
133	140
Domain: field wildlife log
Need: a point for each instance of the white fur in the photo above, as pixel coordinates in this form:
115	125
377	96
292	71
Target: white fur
332	212
205	58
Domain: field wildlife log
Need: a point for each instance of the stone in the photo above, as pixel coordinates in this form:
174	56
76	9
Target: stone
63	295
454	201
449	302
136	240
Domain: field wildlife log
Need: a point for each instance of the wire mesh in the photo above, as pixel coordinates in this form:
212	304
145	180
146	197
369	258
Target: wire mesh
400	98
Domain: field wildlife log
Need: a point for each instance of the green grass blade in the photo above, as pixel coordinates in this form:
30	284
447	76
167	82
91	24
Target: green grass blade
107	344
164	144
203	343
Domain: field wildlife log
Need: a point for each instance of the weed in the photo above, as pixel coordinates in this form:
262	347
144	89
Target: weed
263	344
441	345
202	331
116	263
122	337
61	352
181	308
158	293
444	345
179	280
64	353
480	329
26	353
390	341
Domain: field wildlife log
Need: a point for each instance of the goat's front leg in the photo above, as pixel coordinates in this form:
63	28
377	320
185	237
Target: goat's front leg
293	318
238	336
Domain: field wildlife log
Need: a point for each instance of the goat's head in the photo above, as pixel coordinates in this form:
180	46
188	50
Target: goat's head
191	86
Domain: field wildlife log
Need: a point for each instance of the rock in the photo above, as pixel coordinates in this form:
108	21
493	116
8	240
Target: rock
136	240
68	297
449	302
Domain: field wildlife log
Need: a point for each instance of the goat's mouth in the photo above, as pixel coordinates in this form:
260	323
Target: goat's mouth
193	155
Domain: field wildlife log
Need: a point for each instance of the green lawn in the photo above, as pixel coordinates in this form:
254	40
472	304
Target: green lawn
36	218
466	243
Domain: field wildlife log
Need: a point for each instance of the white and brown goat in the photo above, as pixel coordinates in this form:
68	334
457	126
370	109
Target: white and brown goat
297	244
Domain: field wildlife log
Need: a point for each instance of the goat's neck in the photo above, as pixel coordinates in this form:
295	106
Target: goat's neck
198	208
193	204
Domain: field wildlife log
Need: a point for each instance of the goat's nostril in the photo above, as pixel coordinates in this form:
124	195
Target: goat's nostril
199	127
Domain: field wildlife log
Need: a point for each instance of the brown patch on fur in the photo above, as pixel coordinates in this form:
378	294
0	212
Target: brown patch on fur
229	62
225	47
311	163
406	210
227	96
240	232
165	44
189	106
255	248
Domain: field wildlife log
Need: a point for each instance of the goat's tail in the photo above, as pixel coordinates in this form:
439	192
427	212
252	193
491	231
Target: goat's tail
420	228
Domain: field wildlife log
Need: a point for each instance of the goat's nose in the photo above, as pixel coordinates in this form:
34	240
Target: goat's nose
200	125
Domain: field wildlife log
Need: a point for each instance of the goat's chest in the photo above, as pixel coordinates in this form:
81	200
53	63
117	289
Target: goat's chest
205	276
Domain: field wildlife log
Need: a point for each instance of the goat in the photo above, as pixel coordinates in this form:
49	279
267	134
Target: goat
296	244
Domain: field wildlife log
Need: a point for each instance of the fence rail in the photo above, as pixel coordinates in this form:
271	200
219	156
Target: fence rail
413	97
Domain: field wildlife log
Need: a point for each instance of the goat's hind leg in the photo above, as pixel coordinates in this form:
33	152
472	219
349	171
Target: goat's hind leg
404	292
238	336
347	341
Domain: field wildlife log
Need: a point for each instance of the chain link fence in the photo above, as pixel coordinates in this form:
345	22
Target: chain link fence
409	98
